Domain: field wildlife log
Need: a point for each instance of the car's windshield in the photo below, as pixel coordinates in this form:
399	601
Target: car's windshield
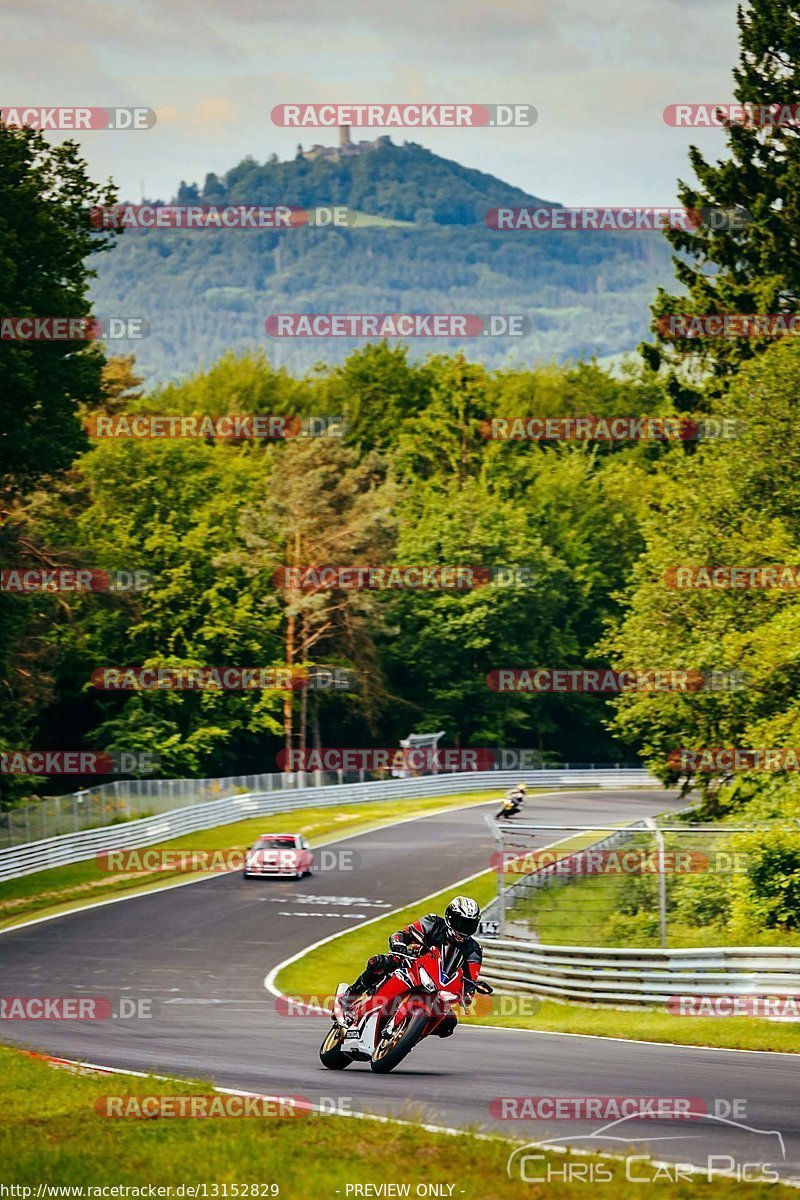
276	843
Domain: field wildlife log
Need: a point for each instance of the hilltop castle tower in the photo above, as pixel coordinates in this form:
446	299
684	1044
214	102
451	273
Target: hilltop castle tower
345	147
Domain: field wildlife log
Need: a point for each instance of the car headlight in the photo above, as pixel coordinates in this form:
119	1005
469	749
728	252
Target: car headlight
426	980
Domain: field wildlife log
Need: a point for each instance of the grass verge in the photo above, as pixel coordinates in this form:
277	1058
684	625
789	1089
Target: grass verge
62	888
319	971
51	1134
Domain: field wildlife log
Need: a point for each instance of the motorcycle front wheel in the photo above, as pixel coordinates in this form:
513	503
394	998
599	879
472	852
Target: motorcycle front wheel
330	1053
392	1050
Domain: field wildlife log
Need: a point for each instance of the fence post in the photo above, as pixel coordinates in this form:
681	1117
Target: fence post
662	881
499	841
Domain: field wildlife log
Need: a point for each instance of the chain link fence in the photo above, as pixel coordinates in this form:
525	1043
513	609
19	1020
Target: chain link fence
123	800
126	800
649	884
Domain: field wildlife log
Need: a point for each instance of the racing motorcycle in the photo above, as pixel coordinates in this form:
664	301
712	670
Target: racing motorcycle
511	805
410	1004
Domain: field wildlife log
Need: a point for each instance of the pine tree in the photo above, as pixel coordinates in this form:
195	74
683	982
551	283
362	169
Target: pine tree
751	264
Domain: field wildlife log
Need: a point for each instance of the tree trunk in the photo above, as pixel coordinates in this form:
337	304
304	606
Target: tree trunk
288	710
291	644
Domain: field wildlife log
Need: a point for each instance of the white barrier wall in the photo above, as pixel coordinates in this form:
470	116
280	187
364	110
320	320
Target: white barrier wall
130	835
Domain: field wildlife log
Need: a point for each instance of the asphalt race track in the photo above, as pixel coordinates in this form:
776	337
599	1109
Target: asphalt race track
201	952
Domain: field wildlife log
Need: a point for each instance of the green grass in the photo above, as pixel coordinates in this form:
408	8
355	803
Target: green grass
318	972
62	888
51	1134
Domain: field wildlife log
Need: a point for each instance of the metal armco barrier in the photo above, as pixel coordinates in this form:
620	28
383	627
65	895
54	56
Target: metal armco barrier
630	976
132	835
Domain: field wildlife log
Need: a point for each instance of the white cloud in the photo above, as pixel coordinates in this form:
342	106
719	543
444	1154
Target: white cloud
600	75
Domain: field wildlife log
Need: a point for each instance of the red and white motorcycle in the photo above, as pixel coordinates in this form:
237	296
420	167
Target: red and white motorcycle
410	1004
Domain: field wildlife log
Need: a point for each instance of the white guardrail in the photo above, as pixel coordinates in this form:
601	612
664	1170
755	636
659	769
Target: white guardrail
132	835
630	976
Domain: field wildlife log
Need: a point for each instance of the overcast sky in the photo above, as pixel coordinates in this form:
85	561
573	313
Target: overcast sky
600	75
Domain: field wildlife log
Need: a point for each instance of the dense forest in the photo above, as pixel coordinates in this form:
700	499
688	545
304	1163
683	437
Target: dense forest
412	479
421	244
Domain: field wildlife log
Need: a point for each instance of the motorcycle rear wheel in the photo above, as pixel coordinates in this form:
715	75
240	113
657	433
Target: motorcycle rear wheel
330	1053
391	1052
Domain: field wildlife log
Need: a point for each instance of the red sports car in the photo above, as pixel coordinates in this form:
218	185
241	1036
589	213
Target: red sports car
279	854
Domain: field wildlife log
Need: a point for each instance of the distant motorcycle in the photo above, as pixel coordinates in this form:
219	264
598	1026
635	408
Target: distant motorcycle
511	805
410	1004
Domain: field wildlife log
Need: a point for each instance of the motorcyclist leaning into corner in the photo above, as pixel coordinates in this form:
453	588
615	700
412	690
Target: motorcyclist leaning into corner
453	931
513	801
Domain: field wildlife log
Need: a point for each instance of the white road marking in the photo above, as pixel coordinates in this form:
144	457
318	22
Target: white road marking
341	916
343	900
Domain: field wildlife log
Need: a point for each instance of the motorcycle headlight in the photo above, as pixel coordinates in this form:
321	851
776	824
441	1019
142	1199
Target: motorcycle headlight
426	980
